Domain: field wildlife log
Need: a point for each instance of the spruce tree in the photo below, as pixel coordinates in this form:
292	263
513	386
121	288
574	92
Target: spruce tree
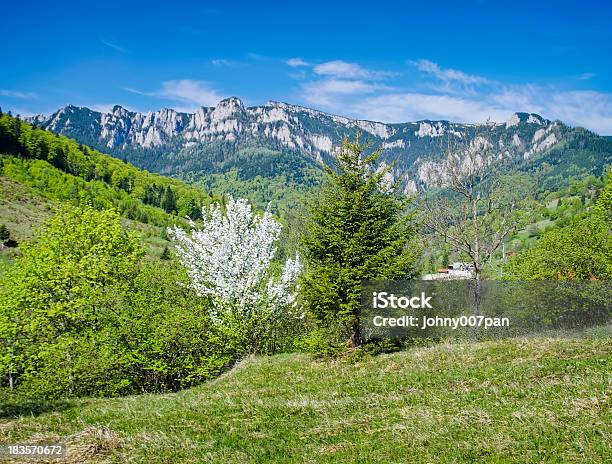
165	255
4	233
358	229
168	201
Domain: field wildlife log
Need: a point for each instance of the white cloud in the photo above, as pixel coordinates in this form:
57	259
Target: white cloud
335	82
328	92
340	86
587	108
586	76
17	94
519	97
345	70
434	69
349	89
113	45
190	93
449	94
404	107
296	62
101	107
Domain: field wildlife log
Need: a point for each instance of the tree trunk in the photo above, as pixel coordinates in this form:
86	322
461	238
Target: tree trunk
477	299
477	291
70	366
355	339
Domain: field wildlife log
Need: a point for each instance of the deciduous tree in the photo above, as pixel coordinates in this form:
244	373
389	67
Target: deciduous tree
229	259
475	208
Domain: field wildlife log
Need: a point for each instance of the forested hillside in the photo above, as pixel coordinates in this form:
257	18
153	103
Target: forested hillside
61	169
39	170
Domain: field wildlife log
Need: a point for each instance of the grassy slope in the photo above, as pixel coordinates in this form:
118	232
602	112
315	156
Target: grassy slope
23	210
538	400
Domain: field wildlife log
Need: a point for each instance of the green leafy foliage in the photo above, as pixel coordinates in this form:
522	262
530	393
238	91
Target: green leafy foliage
358	230
60	290
580	250
164	334
81	313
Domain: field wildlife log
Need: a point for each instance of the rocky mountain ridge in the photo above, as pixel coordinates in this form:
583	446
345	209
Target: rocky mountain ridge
229	136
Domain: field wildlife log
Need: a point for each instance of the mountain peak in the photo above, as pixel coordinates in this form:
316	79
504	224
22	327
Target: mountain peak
68	107
276	104
529	118
231	102
227	108
119	111
230	133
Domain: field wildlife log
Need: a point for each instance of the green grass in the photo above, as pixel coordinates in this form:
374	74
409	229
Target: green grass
23	211
532	400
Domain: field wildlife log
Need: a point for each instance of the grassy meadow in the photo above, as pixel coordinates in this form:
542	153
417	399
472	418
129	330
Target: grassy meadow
526	400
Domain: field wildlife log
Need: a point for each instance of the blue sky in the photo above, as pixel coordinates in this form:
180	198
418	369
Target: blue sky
388	61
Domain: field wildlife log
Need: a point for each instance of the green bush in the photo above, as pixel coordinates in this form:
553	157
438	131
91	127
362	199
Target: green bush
60	294
4	233
81	313
324	341
166	335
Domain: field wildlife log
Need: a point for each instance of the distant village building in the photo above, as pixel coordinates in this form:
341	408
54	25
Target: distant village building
455	271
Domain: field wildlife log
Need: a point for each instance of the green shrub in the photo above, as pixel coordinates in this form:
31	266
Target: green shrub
324	341
4	233
82	314
166	333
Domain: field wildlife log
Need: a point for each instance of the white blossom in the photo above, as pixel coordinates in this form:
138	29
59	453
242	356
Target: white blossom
229	259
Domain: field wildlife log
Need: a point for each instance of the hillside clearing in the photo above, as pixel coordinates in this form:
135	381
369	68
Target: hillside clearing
533	400
24	211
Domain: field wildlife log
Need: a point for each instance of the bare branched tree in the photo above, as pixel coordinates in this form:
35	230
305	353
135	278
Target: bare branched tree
473	209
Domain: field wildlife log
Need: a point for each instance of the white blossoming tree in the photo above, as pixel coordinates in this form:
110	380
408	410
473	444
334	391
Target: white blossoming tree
230	259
